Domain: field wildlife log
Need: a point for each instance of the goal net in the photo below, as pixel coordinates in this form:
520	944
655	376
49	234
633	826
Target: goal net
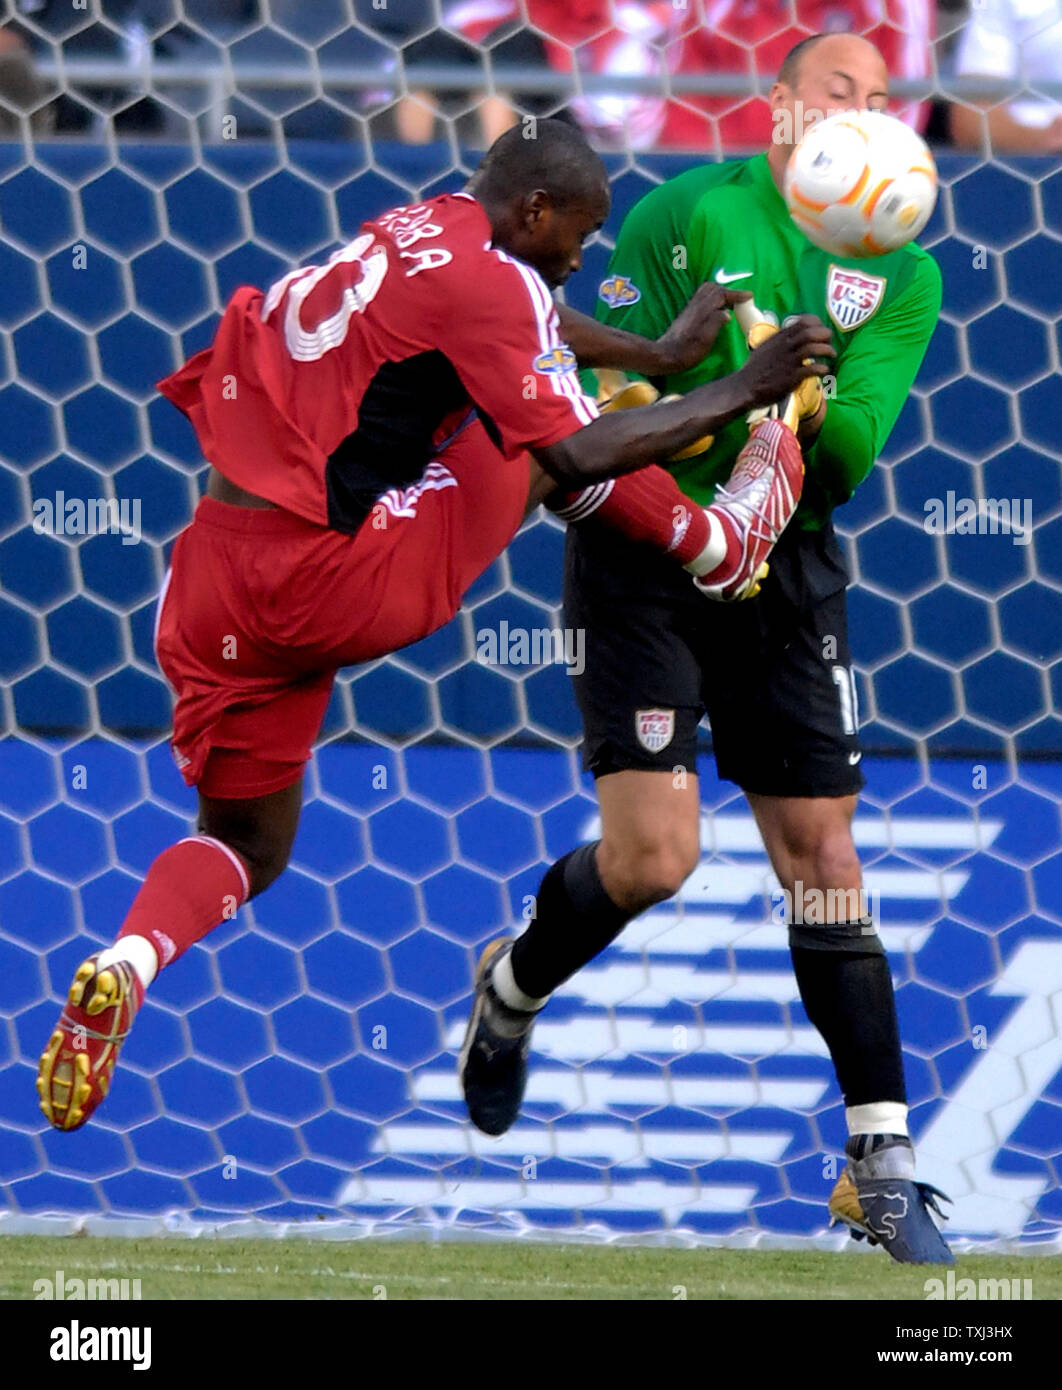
300	1062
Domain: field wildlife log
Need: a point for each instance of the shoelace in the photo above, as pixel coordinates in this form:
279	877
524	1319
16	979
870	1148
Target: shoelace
751	505
64	1018
91	1032
752	524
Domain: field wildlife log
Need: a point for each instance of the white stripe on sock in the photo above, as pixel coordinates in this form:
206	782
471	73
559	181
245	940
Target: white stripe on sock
219	844
136	951
508	991
880	1117
714	553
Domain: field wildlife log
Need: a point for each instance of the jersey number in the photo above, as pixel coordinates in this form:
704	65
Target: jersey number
844	680
356	293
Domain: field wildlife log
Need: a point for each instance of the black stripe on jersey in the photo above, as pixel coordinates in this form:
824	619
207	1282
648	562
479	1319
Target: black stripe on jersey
401	409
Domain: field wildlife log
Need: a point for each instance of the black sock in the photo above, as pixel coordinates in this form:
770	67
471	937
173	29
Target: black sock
846	988
575	919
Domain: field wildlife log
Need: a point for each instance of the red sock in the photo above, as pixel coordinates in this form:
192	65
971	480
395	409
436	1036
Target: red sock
191	888
644	506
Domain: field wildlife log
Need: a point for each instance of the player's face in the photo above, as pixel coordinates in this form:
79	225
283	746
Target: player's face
841	73
554	237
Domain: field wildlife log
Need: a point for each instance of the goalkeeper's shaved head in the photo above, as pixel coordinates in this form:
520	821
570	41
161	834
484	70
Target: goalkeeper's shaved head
819	76
789	72
544	190
548	154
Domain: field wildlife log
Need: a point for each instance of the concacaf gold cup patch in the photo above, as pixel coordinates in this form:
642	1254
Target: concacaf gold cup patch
852	297
556	361
618	291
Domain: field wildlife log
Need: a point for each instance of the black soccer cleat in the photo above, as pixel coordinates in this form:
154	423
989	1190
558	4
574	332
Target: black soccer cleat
879	1200
493	1061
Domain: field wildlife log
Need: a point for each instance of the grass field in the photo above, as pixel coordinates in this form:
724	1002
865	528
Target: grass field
287	1269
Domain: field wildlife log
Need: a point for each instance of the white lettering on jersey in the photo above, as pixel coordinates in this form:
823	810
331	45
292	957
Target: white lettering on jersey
409	225
402	501
431	258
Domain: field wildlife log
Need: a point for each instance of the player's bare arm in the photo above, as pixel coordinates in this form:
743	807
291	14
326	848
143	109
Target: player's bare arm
681	346
621	442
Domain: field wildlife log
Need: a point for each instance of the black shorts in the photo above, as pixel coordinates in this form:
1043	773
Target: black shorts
773	673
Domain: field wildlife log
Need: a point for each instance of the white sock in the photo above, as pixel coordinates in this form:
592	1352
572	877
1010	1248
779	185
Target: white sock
880	1117
509	992
136	951
714	553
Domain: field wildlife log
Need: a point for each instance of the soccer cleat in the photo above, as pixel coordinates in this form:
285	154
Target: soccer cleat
760	498
77	1066
493	1060
890	1210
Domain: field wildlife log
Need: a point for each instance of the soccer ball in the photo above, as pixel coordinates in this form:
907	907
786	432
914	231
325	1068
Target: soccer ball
861	183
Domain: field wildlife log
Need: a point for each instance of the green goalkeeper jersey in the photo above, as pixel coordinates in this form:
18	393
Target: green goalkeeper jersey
728	222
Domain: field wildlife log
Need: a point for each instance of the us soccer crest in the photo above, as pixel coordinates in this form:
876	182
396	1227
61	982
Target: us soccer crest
852	297
655	728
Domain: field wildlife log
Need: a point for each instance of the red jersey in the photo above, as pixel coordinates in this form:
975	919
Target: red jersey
338	388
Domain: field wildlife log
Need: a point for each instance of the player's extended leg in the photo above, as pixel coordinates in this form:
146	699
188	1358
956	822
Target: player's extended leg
841	970
190	888
649	845
846	988
785	729
640	697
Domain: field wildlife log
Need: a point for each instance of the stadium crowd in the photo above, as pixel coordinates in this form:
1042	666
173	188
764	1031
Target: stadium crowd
1016	43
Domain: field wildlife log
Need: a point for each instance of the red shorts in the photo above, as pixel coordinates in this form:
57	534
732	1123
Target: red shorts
262	607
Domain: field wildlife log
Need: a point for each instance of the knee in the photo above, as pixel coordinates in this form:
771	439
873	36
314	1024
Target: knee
264	857
837	860
261	830
265	868
825	857
648	870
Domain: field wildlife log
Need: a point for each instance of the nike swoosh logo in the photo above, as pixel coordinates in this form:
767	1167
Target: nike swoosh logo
853	758
722	278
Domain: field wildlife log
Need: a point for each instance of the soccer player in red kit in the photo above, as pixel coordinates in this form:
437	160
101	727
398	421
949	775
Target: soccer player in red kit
377	426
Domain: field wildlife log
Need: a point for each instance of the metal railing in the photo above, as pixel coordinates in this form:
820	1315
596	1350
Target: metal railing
217	84
229	78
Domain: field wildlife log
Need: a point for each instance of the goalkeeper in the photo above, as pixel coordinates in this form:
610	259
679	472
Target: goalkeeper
773	673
